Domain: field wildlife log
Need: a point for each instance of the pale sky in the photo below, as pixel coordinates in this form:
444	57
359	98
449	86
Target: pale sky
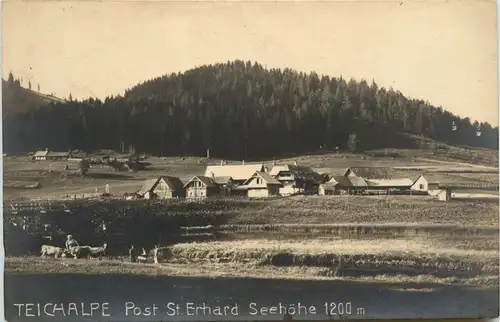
441	51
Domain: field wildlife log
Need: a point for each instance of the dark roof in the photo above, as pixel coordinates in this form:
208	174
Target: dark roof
58	154
341	181
173	182
358	182
221	180
267	178
371	172
299	172
205	180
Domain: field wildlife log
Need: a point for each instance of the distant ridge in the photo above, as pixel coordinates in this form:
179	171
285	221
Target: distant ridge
16	99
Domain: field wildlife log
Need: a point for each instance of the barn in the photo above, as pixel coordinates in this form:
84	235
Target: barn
239	173
262	185
386	186
201	187
57	156
164	187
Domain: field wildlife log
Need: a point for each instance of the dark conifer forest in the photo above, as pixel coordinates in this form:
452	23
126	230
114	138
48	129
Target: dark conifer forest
238	110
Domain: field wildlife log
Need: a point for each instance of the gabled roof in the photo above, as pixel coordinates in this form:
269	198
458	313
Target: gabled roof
147	186
358	182
174	183
268	179
41	153
371	172
237	172
341	181
299	172
347	182
436	178
329	186
205	180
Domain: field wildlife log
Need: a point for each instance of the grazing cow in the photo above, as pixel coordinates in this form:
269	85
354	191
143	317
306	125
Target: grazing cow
46	250
143	258
80	252
98	251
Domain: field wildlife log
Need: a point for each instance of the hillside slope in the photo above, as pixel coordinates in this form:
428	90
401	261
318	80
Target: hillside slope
18	100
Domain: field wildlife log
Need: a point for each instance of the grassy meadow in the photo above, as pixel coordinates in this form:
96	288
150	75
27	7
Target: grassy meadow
386	239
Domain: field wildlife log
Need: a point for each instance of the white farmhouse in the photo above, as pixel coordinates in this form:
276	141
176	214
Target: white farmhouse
426	183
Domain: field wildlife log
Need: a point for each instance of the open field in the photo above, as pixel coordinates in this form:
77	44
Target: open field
318	211
32	265
349	257
362	209
56	183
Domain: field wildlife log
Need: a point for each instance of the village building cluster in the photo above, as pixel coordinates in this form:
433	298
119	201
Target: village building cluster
257	181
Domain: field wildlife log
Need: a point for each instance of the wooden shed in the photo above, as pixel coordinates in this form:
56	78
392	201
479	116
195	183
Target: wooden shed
164	187
201	187
262	185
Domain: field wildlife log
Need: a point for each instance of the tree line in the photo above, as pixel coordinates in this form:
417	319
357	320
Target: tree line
242	110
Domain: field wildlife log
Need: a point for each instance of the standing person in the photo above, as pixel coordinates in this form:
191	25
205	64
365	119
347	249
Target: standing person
131	254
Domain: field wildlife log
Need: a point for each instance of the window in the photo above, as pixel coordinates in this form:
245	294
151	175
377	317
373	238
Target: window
259	181
422	186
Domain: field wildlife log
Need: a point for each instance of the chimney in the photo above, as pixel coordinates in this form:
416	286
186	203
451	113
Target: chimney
221	162
274	162
266	169
243	162
295	162
46	149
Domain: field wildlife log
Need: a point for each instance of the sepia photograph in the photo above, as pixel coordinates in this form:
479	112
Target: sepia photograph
250	160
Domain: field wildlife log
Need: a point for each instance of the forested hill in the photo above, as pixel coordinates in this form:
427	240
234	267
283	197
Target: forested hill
18	100
241	110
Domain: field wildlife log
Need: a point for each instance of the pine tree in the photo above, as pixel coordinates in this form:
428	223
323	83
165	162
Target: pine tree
10	80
